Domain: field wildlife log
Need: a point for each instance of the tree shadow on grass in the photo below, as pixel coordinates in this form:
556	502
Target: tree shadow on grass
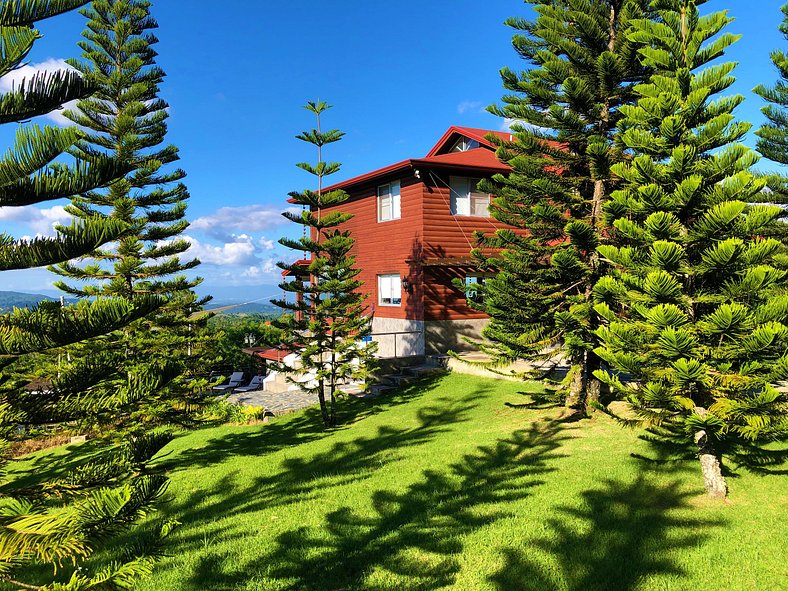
418	533
29	471
289	431
623	534
298	479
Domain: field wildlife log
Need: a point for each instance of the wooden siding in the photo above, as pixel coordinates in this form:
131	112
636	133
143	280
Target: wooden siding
388	247
426	231
448	236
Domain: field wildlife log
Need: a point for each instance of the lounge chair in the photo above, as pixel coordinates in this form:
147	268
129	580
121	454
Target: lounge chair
256	383
236	379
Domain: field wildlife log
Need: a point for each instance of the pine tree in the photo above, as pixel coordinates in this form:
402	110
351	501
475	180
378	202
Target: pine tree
127	118
327	320
566	107
696	310
773	135
65	521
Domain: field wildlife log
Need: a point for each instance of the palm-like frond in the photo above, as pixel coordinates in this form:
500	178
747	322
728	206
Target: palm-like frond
84	237
42	93
49	325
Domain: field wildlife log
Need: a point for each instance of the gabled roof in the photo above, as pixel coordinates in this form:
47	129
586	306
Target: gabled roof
482	158
474	133
475	158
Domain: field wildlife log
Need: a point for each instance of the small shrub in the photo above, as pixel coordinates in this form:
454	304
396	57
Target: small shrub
226	412
253	413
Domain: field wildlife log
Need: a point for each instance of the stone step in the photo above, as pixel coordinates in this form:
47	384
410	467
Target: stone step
419	371
390	379
402	380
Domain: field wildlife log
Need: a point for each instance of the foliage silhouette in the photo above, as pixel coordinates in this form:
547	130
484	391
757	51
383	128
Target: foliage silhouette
419	531
630	532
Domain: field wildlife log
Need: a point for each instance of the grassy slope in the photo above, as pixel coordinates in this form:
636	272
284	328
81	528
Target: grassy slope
457	484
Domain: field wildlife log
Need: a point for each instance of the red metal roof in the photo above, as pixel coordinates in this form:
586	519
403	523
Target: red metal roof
272	354
473	133
301	263
380	172
476	158
481	158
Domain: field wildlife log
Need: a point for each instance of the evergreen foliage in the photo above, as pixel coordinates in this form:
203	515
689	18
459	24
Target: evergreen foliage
126	117
60	525
582	68
326	322
773	135
696	310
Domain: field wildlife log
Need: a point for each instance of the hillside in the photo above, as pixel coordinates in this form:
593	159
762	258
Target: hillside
457	483
12	299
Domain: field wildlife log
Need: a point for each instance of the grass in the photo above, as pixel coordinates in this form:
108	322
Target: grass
459	483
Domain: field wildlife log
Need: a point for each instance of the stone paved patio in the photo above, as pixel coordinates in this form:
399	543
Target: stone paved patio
278	403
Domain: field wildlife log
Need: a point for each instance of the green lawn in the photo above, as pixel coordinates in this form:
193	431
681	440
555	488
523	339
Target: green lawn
458	483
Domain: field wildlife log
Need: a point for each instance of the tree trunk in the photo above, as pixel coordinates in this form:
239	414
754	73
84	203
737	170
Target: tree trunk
710	464
593	384
575	400
321	396
333	408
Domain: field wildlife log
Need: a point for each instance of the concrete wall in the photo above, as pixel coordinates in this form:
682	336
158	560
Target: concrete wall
398	345
448	335
433	337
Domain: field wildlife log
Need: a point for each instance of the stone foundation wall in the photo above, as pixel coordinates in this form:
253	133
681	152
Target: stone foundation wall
449	335
408	343
417	338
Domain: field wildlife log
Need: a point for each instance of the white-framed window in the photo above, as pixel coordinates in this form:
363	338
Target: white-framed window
464	144
471	292
466	199
389	202
389	290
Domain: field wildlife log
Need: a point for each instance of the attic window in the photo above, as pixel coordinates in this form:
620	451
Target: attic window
464	144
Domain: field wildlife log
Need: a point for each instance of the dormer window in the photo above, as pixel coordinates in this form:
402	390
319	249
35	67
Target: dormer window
464	144
389	202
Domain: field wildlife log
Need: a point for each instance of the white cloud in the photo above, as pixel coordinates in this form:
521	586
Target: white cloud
267	267
41	221
508	123
241	251
14	79
224	222
466	106
470	106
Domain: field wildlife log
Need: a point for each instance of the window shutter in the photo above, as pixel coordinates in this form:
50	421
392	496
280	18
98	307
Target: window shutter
396	208
460	198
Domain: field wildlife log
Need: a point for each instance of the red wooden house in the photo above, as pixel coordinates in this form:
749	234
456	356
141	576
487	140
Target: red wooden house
413	225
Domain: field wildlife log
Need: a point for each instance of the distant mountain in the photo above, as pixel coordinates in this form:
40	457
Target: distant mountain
231	307
12	299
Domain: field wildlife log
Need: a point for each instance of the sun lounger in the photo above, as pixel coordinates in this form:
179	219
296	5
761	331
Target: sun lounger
236	379
255	384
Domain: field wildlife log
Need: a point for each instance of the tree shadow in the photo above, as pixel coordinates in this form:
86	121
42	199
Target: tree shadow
417	533
622	534
299	479
536	401
52	464
289	431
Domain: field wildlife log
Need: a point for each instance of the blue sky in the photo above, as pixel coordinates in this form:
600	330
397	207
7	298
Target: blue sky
398	74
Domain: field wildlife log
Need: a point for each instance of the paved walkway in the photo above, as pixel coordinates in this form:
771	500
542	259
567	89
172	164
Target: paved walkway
279	403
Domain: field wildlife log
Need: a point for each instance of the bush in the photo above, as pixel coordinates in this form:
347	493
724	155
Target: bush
226	412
